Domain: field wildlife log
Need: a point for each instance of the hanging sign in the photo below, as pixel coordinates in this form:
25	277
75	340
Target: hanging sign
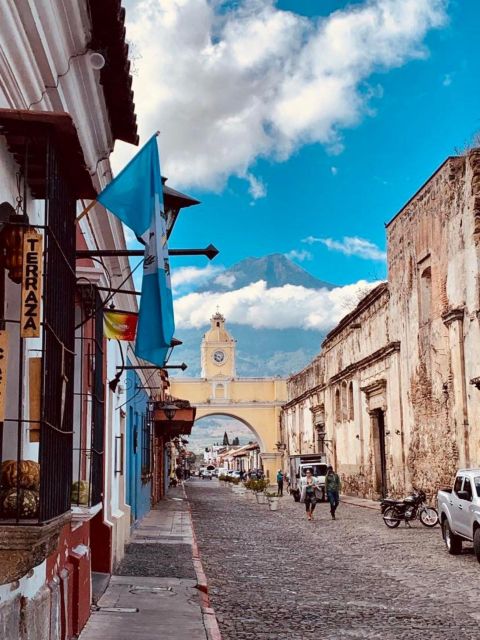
31	284
120	325
3	372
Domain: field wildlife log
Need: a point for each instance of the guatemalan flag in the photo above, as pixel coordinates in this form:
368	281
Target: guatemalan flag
136	197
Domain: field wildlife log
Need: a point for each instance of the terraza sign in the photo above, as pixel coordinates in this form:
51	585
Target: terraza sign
31	284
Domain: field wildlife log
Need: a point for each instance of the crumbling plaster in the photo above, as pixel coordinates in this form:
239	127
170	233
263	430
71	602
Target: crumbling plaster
419	337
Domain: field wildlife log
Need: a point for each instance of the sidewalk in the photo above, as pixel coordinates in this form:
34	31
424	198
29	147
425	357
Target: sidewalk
159	590
360	502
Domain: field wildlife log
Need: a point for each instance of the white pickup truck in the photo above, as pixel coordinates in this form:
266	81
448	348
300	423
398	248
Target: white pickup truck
459	510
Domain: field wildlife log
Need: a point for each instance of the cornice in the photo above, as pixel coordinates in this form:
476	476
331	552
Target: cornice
452	315
385	351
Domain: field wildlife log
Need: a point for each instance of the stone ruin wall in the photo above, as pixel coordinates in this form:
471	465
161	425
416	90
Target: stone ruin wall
431	223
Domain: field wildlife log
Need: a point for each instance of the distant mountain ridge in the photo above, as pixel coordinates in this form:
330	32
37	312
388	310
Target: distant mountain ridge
276	270
260	352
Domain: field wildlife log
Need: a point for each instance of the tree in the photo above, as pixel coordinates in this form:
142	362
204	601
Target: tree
225	440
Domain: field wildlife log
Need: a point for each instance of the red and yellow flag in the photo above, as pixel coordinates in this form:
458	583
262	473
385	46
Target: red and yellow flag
120	325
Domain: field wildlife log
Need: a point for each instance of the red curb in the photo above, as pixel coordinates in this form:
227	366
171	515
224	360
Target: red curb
211	624
209	618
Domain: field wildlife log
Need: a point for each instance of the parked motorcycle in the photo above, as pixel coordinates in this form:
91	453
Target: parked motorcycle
410	508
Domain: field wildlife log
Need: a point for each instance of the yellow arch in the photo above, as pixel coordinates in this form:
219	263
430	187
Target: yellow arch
256	402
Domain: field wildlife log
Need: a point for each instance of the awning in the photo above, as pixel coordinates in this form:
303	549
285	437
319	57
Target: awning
27	133
180	424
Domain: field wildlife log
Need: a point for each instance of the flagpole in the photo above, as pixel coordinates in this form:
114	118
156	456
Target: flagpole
85	211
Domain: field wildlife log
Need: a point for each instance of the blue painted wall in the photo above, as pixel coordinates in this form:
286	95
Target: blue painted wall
138	492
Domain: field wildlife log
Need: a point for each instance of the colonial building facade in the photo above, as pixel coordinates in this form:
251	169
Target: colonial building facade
392	398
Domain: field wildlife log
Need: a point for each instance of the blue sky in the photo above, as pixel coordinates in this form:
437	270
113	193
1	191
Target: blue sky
421	109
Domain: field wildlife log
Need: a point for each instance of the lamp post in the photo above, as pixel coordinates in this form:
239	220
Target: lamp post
169	410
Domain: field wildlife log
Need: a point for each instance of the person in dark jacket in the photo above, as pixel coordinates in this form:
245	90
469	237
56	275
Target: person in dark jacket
280	483
332	487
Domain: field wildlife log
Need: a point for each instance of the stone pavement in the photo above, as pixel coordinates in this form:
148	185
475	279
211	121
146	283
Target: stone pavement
159	590
276	576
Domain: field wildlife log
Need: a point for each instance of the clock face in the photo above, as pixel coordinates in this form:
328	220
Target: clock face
219	357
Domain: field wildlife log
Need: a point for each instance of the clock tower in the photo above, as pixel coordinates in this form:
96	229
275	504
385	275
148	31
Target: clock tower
218	351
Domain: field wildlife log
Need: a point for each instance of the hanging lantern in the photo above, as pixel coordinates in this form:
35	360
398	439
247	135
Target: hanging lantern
11	241
12	228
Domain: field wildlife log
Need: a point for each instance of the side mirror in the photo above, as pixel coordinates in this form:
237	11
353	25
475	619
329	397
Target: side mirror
463	495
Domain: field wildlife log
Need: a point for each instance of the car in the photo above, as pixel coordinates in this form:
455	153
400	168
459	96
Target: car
459	510
206	474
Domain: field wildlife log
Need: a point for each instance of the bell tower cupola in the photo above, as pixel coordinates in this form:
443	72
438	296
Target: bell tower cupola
218	350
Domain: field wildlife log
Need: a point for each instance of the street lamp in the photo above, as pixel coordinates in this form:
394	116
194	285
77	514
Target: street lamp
11	241
169	410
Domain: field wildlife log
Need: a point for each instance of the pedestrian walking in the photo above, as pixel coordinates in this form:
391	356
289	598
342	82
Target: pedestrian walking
308	496
280	483
332	487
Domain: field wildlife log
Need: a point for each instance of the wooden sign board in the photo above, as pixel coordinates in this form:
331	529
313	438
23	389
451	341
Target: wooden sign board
3	372
31	284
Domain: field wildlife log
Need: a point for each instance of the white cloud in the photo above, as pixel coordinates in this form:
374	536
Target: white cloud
301	256
351	246
334	170
229	83
257	188
227	280
193	276
277	308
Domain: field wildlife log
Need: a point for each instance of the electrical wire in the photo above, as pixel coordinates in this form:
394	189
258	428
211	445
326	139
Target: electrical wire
59	77
110	296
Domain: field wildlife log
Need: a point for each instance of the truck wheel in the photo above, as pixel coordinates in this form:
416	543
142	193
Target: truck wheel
452	542
476	543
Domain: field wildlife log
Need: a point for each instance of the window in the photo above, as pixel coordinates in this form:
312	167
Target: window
425	295
467	487
146	445
351	408
317	470
458	484
338	417
88	425
344	402
477	485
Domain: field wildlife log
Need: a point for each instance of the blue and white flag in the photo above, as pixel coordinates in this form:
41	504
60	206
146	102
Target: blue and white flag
136	197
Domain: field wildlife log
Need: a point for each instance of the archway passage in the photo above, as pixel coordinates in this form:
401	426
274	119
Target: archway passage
216	424
257	402
227	443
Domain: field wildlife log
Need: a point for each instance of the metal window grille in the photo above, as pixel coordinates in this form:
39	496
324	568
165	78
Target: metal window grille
55	455
88	438
146	445
56	348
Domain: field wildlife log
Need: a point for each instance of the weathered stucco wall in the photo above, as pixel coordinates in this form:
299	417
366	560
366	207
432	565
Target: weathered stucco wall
392	387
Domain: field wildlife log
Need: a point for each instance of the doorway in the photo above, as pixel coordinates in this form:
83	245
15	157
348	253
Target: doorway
380	458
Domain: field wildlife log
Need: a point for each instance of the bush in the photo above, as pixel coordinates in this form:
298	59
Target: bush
257	485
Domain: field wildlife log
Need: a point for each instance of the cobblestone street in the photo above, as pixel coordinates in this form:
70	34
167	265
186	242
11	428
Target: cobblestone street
273	575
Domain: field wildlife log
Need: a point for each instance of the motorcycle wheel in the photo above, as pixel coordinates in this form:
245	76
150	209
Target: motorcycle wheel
429	516
390	519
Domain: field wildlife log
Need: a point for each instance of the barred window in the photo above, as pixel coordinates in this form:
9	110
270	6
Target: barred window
146	445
